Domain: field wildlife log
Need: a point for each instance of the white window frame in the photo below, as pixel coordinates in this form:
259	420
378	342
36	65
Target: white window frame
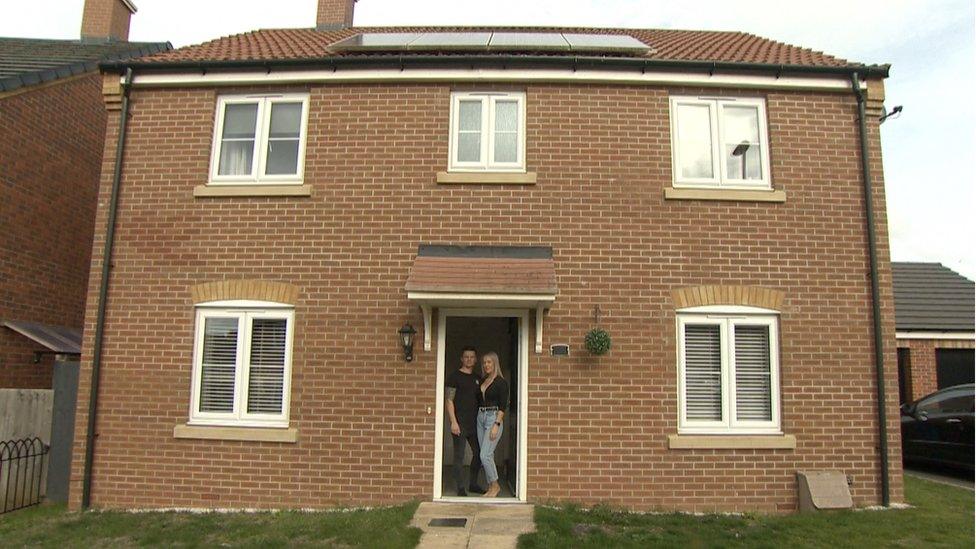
487	164
262	130
244	311
727	317
716	105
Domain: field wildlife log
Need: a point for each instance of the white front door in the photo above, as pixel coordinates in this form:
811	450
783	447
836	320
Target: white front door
522	315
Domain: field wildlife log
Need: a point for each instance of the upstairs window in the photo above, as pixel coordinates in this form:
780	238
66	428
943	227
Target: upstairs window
728	371
259	139
487	132
719	142
242	364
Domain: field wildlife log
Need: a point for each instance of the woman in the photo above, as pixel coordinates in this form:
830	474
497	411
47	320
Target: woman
492	403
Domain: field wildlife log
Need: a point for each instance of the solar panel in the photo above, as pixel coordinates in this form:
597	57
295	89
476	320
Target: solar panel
451	41
488	41
605	42
528	41
376	41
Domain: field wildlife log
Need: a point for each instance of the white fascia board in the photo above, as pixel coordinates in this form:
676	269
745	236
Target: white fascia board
695	78
131	5
936	335
436	299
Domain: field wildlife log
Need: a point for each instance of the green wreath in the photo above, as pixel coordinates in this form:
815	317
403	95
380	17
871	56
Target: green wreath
597	341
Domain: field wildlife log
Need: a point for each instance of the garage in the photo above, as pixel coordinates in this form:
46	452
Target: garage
954	367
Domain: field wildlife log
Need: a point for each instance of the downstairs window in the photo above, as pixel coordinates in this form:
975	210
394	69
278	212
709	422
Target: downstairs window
242	364
728	367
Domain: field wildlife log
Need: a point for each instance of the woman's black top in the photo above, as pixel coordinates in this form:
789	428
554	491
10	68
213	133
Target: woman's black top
495	395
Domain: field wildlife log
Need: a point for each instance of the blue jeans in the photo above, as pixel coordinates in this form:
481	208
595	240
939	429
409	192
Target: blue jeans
486	420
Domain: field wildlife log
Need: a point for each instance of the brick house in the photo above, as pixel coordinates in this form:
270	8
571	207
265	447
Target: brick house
52	136
290	201
934	319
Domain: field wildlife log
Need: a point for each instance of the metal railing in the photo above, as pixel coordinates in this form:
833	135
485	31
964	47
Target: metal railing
23	468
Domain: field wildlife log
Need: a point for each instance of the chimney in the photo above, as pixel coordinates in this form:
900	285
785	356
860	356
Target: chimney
334	14
106	20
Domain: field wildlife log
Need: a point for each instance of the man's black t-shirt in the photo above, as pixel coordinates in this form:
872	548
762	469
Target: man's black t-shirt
468	389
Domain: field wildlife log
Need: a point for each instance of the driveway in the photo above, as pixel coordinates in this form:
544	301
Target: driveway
945	476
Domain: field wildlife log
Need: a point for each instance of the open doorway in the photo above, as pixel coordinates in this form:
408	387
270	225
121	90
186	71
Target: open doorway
505	335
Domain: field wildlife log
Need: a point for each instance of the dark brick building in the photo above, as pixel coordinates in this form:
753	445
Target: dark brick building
52	135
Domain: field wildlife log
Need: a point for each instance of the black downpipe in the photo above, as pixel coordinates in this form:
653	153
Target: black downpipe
103	294
875	290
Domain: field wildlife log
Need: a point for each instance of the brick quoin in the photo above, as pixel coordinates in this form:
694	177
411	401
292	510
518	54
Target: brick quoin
51	139
598	427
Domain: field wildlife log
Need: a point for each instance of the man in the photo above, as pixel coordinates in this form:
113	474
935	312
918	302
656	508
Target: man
462	391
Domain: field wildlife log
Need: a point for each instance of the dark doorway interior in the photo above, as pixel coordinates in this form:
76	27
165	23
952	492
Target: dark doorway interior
954	367
904	375
501	335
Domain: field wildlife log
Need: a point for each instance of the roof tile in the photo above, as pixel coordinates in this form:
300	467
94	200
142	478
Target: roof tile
28	61
482	275
930	297
683	45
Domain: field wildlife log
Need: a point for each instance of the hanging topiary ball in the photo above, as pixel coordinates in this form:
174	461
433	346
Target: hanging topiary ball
597	341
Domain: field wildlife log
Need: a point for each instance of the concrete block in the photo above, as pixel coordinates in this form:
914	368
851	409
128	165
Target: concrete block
823	490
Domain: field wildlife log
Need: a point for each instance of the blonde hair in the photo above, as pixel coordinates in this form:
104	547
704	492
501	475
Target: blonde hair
498	365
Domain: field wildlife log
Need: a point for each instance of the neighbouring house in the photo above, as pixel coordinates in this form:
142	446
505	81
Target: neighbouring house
52	137
312	224
934	319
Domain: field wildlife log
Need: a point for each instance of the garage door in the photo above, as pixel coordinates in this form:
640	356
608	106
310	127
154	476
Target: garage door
954	367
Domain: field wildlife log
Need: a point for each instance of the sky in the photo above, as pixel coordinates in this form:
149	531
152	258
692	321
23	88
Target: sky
930	179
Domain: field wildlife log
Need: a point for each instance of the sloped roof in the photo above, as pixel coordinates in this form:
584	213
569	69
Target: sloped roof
30	61
932	298
483	269
666	44
59	339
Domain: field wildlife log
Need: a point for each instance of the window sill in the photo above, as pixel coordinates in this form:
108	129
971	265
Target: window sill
731	442
497	178
206	191
735	195
254	434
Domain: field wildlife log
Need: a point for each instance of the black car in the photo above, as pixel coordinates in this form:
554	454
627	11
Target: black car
938	429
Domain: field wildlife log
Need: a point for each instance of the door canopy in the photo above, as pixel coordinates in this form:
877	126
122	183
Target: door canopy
522	277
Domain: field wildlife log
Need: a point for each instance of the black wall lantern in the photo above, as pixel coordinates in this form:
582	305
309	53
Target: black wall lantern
406	339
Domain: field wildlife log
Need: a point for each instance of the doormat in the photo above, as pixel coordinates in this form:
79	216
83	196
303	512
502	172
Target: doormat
450	522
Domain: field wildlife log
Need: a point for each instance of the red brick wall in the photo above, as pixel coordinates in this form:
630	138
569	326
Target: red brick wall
598	427
105	19
50	151
335	12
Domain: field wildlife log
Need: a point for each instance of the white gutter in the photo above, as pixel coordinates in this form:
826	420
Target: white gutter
971	336
695	78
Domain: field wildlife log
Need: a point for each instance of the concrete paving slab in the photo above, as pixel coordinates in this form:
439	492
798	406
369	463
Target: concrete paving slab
443	540
485	541
501	526
517	512
488	526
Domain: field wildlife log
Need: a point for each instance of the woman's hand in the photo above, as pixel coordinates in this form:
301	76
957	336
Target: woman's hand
494	432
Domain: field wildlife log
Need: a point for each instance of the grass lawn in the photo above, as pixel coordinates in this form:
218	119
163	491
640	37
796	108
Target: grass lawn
942	516
53	526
